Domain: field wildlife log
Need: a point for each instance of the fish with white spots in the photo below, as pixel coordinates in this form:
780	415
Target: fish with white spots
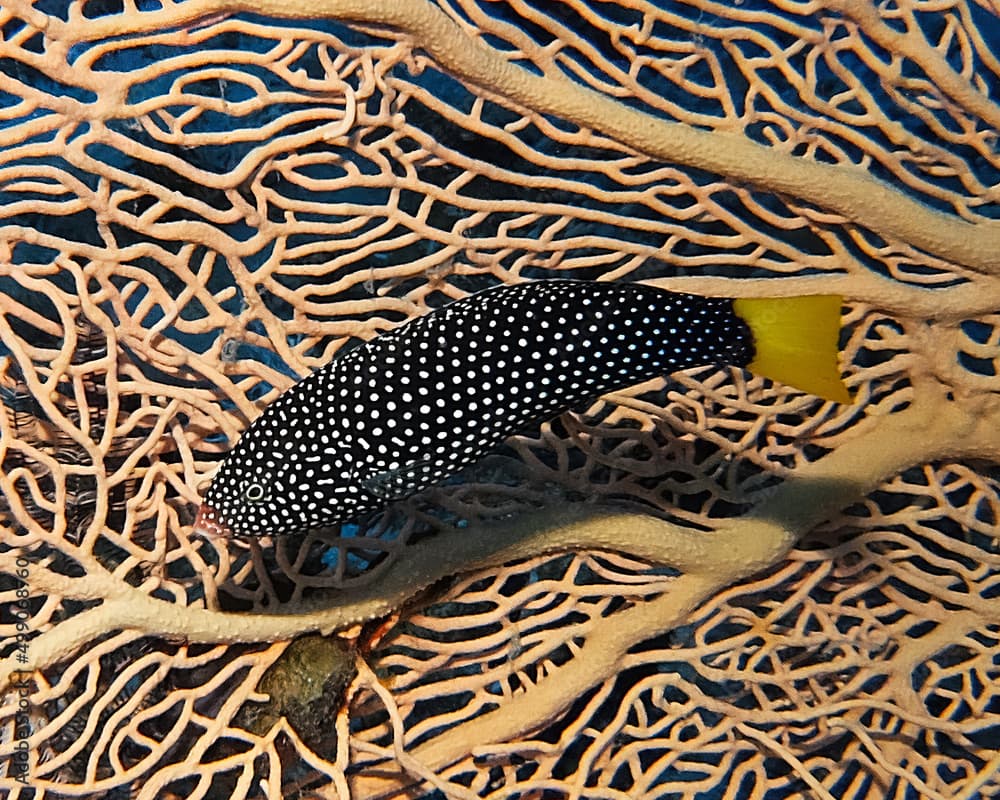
422	401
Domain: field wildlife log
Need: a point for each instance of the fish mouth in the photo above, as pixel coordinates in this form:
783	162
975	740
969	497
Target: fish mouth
209	523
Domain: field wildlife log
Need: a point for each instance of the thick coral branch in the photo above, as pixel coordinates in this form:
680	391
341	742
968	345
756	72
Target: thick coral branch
973	299
847	190
912	44
929	429
358	188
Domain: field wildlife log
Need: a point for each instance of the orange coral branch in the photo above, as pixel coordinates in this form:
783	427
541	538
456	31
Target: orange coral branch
911	44
359	194
846	190
710	562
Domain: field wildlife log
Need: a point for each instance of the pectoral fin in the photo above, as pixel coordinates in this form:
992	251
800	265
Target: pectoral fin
395	484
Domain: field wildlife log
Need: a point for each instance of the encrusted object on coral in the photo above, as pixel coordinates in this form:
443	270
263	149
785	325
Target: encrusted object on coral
762	592
306	685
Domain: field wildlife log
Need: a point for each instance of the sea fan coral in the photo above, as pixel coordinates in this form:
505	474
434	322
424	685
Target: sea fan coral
708	585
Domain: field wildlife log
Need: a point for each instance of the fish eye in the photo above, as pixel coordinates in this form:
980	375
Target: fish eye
254	493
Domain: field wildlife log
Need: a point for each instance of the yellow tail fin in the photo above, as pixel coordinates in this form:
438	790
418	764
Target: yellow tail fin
796	342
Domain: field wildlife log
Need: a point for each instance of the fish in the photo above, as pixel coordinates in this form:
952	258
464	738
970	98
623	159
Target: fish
422	401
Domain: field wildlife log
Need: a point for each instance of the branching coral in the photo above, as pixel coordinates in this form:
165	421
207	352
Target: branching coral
707	584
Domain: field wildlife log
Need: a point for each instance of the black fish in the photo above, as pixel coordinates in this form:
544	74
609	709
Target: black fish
420	402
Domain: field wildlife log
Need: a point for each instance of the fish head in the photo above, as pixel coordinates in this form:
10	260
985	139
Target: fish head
280	478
